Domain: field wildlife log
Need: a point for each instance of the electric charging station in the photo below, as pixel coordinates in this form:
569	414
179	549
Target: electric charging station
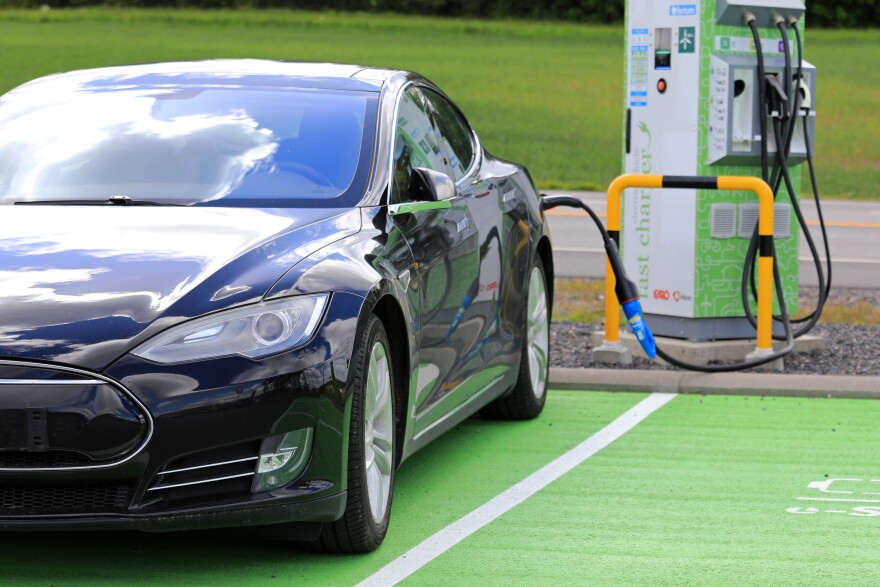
696	90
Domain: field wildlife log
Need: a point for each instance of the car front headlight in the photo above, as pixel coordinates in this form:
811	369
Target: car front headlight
252	331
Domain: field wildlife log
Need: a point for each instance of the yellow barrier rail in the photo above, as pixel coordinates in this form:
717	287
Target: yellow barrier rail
724	182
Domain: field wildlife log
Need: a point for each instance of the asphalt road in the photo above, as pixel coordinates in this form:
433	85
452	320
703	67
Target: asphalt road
853	232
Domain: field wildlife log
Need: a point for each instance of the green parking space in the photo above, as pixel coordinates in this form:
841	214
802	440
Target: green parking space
708	490
437	486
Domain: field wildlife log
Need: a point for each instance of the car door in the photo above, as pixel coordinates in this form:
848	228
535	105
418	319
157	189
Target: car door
444	244
488	363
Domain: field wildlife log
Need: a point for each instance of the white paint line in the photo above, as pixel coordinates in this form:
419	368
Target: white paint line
839	499
843	260
562	249
848	260
433	546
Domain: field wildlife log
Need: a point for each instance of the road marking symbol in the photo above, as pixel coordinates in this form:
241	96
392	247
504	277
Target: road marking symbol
825	486
844	260
435	545
839	499
578	250
828	223
864	511
842	486
845	224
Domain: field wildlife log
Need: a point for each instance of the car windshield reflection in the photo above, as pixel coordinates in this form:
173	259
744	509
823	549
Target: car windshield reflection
180	146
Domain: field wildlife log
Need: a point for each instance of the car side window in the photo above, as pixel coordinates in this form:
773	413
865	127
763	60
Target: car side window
455	133
415	143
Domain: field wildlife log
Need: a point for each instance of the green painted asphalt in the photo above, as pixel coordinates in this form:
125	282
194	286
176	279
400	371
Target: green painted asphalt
705	491
700	493
440	484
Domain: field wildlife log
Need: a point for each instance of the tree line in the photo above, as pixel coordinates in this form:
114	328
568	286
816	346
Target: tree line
837	14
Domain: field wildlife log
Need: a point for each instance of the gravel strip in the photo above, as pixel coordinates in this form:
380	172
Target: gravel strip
850	349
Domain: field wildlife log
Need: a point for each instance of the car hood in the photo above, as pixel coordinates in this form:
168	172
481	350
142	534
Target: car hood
83	284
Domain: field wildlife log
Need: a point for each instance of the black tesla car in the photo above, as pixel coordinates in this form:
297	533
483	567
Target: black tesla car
241	293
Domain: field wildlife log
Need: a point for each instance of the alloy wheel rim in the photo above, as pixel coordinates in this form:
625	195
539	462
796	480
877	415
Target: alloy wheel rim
378	420
538	333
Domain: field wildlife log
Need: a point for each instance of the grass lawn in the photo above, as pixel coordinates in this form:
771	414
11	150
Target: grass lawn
545	94
583	300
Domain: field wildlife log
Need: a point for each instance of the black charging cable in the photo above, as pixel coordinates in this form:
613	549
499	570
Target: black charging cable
626	291
762	115
813	184
784	125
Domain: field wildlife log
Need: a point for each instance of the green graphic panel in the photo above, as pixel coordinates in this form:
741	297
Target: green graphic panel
719	262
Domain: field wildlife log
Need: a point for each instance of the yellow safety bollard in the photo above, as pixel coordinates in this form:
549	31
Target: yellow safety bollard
724	182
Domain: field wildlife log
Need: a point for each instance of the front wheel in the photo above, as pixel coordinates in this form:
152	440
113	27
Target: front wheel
527	398
371	454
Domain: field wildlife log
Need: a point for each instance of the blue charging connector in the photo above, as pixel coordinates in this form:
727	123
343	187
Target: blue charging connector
633	311
624	289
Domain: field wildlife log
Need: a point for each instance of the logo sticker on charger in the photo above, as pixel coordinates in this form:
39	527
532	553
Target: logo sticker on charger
686	39
683	10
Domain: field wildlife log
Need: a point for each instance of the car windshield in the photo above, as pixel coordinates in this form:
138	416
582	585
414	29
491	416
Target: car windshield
220	146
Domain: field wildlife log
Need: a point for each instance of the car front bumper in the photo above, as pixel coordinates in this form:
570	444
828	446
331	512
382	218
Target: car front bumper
205	425
324	509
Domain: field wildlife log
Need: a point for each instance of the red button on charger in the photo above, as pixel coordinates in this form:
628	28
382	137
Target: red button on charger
661	85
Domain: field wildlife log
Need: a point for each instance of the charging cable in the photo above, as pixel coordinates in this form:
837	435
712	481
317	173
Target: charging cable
784	125
628	298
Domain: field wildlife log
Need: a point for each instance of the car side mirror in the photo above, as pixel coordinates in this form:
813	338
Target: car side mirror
428	190
427	185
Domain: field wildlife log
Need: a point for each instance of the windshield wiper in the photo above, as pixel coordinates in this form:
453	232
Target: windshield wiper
111	201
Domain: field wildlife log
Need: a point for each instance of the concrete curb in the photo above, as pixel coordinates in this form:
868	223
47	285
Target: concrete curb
838	386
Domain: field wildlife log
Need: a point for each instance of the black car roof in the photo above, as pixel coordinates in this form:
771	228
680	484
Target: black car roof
218	73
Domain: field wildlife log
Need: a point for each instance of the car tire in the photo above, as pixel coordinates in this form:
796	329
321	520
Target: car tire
526	400
372	452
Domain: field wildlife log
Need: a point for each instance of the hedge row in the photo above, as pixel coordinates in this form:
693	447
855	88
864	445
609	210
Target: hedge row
837	14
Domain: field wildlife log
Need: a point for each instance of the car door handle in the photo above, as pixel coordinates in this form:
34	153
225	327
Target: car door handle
487	190
413	207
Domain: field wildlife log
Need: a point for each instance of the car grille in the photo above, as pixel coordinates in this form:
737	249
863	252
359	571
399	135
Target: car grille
211	475
44	460
56	417
35	499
